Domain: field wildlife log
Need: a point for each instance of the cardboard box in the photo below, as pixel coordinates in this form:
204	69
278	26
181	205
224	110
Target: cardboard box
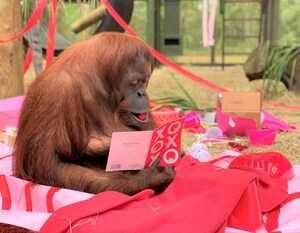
242	104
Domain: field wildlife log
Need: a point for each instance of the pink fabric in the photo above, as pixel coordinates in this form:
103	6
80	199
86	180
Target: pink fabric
233	126
208	27
289	218
237	126
9	111
271	122
199	190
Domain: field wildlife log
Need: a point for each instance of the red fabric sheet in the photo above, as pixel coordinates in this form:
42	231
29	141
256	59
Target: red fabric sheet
201	199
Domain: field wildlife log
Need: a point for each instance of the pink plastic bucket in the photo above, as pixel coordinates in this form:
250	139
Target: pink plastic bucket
264	137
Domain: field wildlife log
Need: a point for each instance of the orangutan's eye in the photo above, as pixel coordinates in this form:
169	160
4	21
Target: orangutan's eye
135	82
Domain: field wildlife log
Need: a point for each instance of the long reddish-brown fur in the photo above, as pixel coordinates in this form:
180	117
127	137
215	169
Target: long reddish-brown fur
71	110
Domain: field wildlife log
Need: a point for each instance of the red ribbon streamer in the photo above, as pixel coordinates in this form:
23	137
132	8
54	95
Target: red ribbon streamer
28	59
5	193
6	156
49	198
159	56
36	15
175	66
281	105
28	198
51	33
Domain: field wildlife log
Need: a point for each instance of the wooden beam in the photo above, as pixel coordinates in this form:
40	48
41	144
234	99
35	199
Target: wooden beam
93	17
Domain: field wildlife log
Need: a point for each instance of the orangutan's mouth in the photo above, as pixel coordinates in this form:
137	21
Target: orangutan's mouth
142	117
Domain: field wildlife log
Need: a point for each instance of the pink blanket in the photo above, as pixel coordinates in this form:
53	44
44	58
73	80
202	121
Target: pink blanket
202	198
9	111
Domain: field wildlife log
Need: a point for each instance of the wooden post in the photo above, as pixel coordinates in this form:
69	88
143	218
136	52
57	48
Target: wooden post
153	25
11	53
272	21
93	17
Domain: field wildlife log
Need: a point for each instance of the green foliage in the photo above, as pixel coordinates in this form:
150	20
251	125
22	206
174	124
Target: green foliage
289	22
190	25
176	101
139	19
277	61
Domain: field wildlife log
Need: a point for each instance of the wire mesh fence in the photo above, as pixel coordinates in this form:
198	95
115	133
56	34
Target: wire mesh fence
239	28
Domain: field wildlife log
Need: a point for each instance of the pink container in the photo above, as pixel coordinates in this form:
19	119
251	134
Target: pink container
192	120
264	137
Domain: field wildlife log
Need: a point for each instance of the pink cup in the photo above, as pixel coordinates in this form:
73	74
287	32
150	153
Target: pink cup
264	137
191	120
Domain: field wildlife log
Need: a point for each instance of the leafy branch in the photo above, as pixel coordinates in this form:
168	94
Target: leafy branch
176	101
277	62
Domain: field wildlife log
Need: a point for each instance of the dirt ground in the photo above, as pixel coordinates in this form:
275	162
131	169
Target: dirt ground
234	79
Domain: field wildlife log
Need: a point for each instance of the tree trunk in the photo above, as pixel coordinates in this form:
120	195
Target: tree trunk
11	53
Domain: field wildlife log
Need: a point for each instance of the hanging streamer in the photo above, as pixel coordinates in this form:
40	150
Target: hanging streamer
28	59
36	15
281	105
159	56
208	28
51	33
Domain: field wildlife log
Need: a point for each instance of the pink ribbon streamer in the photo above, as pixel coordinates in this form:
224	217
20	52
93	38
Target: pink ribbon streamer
208	28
